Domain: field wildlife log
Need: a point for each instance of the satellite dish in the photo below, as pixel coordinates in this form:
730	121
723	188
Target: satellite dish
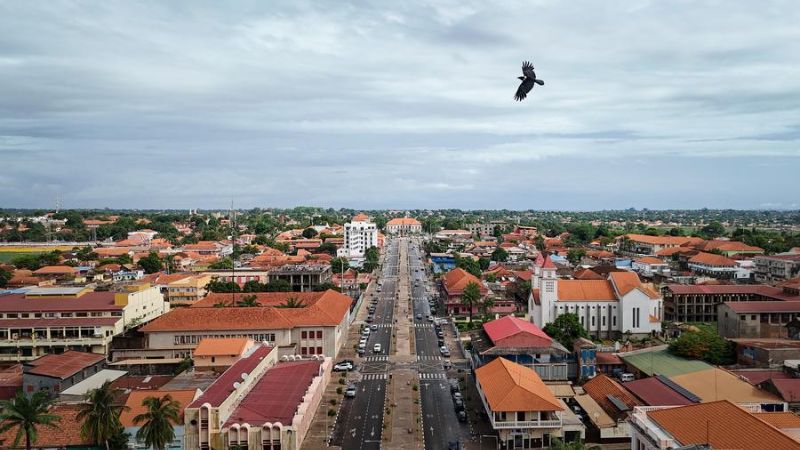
236	385
244	376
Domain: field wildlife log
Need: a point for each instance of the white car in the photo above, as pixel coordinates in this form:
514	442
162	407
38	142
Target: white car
376	348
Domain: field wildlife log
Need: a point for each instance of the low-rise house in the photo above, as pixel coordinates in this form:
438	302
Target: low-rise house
717	266
56	372
715	425
788	389
521	409
524	343
57	273
134	407
259	402
220	353
766	352
645	245
728	248
648	266
615	401
453	284
403	226
187	290
66	435
301	277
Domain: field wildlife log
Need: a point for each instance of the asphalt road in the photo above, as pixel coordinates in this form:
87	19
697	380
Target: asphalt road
360	419
439	419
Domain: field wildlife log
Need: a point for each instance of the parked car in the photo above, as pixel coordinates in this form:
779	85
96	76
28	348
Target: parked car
373	327
419	316
350	392
343	366
440	342
376	348
440	334
459	404
362	350
370	318
462	416
626	377
457	395
453	386
444	351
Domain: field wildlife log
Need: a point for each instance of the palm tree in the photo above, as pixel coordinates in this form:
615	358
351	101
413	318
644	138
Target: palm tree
157	423
292	302
471	296
26	414
486	305
100	415
248	301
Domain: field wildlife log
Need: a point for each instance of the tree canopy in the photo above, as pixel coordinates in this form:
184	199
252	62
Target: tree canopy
704	344
566	329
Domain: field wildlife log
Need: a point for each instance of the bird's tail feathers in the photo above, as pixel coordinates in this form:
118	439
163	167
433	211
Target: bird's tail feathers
539	82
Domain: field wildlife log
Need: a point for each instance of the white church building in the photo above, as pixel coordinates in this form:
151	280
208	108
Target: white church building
606	308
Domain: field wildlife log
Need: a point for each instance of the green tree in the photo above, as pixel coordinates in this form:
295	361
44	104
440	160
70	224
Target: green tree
558	444
222	264
712	230
248	301
220	286
574	255
254	286
309	233
500	254
338	265
486	305
100	415
278	285
5	277
158	421
469	264
328	247
325	286
26	414
471	296
704	344
565	329
151	263
676	231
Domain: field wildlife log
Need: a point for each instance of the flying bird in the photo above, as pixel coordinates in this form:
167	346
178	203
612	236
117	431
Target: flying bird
528	80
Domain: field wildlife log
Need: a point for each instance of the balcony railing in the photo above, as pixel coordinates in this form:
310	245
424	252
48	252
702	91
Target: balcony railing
556	423
31	341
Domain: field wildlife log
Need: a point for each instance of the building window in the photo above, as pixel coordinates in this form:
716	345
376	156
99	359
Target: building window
303	351
304	335
753	317
614	321
319	334
592	321
319	350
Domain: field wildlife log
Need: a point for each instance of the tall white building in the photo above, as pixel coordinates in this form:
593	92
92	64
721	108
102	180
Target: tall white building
359	235
619	304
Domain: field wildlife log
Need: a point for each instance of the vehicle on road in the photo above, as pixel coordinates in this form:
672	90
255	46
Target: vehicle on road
459	404
343	366
419	316
457	396
374	327
376	348
453	386
350	392
440	334
370	318
361	351
430	318
462	416
444	351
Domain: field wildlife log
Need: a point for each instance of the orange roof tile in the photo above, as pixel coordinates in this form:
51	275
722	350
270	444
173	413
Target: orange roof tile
404	221
135	407
671	251
721	424
650	260
780	420
587	274
658	240
262	298
66	433
56	270
512	387
221	347
583	290
457	279
360	217
625	281
711	259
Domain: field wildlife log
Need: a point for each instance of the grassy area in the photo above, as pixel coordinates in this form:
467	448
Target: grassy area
8	256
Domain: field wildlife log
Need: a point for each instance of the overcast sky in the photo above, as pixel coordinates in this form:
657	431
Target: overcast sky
659	104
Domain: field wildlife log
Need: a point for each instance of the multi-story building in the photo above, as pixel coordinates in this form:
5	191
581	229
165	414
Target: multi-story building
262	401
302	277
134	407
521	408
713	425
403	226
240	275
359	235
188	290
480	229
57	372
698	303
718	266
777	268
315	325
645	245
53	320
619	304
649	266
764	319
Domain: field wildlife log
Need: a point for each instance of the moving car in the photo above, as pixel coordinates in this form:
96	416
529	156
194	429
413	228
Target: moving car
444	351
350	392
419	316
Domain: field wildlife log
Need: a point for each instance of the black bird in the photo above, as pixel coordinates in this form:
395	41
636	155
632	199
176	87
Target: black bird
528	80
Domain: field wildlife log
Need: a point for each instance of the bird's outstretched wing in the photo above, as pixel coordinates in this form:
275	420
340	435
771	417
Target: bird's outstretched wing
523	89
527	70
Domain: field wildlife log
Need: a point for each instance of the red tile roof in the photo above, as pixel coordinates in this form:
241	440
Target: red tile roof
653	392
63	365
650	260
584	290
788	388
276	396
601	387
404	221
753	289
91	301
135	407
66	433
711	259
56	270
659	240
722	425
548	263
221	347
263	298
329	310
755	377
524	333
587	274
223	386
764	306
457	279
